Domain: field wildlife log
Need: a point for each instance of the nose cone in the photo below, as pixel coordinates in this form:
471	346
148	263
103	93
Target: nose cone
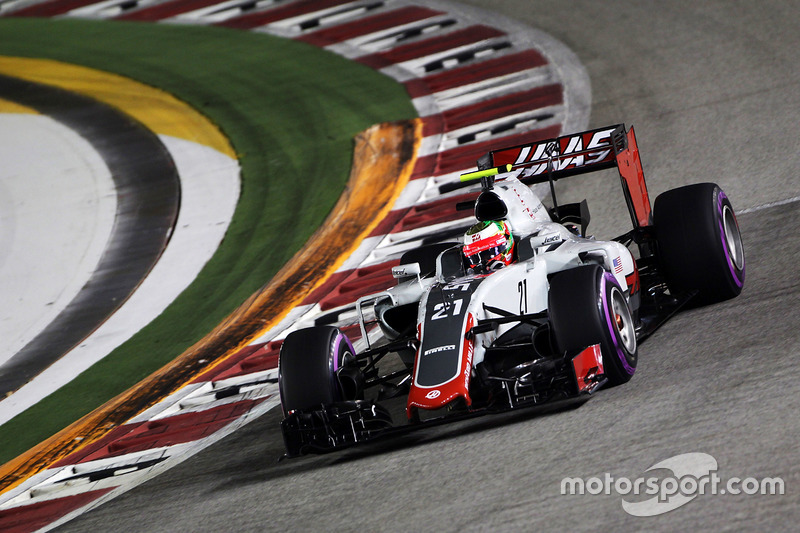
442	368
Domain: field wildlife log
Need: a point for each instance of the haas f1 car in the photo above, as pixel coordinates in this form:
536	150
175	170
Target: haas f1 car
524	311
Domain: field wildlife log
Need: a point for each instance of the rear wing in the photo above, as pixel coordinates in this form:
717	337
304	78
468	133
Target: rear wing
579	153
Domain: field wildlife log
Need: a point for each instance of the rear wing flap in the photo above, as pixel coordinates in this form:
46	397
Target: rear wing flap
578	153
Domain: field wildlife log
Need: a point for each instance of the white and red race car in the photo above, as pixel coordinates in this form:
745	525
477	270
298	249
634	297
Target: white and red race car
564	318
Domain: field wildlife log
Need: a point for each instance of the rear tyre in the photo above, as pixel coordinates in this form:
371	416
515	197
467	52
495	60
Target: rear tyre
308	365
587	306
699	243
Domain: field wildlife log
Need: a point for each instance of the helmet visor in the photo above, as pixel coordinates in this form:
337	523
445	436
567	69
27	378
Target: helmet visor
486	256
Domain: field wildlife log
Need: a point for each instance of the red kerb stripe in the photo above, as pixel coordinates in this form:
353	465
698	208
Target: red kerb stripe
170	431
358	283
367	25
466	36
51	9
37	515
260	18
475	72
166	10
493	109
464	157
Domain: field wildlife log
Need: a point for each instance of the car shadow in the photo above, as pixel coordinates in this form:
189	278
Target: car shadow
261	456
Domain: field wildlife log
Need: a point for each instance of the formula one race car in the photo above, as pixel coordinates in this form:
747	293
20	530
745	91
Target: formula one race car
524	311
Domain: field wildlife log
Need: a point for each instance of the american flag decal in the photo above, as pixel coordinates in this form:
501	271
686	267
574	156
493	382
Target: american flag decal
617	265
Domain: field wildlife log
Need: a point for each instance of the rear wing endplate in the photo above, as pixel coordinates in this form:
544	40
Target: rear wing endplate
579	153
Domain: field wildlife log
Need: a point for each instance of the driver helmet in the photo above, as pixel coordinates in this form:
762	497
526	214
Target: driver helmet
489	245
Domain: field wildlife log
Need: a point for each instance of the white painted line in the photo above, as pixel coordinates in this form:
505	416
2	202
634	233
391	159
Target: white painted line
220	12
449	56
430	145
539	118
107	9
383	40
209	192
493	87
292	27
768	205
57	209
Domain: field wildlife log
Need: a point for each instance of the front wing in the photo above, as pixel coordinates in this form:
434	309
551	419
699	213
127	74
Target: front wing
344	424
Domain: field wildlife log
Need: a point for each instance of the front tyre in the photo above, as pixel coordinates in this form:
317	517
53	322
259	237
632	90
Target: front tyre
587	306
699	243
308	364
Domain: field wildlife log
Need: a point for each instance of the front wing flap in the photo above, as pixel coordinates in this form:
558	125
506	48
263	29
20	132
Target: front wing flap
344	424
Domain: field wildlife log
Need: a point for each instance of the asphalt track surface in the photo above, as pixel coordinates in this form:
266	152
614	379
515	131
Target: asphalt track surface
712	89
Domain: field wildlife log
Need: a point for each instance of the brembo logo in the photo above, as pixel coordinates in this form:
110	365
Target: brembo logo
445	348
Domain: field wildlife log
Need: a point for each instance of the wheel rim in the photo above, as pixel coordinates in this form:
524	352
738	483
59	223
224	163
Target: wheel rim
622	320
733	238
347	358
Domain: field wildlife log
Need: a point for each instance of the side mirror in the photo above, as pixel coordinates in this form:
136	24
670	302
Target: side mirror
406	271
